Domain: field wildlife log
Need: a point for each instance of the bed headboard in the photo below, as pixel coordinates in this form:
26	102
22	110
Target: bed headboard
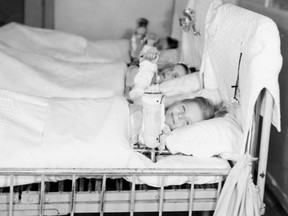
242	51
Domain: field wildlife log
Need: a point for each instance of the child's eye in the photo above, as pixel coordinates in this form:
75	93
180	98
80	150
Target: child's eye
187	122
175	76
184	108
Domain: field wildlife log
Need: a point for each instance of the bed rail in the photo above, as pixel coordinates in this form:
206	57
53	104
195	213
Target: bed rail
132	200
264	141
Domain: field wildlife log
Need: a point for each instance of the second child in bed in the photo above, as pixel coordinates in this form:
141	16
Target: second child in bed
180	114
168	72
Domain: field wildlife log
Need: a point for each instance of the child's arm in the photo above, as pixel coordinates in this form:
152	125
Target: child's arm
148	66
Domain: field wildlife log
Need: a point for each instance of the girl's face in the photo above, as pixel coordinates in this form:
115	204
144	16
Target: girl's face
182	114
172	72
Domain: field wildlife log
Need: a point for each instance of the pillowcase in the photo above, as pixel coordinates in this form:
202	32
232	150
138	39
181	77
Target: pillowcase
182	85
207	138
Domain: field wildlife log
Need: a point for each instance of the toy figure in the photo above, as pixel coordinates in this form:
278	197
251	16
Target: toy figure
138	38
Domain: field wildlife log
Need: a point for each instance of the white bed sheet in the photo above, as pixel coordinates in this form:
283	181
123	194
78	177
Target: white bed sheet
32	74
53	64
37	132
65	46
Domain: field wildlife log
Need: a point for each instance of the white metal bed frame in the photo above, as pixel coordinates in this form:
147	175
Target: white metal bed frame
157	200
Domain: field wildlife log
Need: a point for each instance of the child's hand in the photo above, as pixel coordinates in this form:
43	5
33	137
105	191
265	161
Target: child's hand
150	54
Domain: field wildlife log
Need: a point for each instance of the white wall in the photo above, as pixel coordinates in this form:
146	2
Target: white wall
112	19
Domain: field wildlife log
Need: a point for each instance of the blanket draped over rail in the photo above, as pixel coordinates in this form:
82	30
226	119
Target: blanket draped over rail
227	38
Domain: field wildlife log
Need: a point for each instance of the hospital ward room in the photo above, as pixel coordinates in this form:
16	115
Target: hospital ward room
132	107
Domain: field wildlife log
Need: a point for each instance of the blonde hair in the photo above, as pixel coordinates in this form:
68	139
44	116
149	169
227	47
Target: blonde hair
205	105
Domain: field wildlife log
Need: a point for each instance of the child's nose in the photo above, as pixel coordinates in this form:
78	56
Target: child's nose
180	116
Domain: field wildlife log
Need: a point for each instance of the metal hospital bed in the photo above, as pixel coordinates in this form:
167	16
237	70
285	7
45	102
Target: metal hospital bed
90	190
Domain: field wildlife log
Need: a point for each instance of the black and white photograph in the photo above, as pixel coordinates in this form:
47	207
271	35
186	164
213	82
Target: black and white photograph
143	107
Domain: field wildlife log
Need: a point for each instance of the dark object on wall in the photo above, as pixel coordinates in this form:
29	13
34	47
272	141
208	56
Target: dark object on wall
11	11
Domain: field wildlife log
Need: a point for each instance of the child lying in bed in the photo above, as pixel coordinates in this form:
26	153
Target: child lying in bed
167	73
182	113
170	71
166	82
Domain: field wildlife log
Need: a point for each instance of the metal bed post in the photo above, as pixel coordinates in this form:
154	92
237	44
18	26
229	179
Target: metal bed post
102	195
132	201
191	196
73	193
161	201
11	195
264	142
255	126
42	191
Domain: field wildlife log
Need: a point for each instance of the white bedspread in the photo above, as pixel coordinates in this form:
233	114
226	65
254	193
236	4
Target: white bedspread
63	132
46	66
65	46
37	132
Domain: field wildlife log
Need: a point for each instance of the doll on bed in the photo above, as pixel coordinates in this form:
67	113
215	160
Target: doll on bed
180	114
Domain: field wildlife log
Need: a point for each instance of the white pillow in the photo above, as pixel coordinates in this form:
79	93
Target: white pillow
182	85
207	138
